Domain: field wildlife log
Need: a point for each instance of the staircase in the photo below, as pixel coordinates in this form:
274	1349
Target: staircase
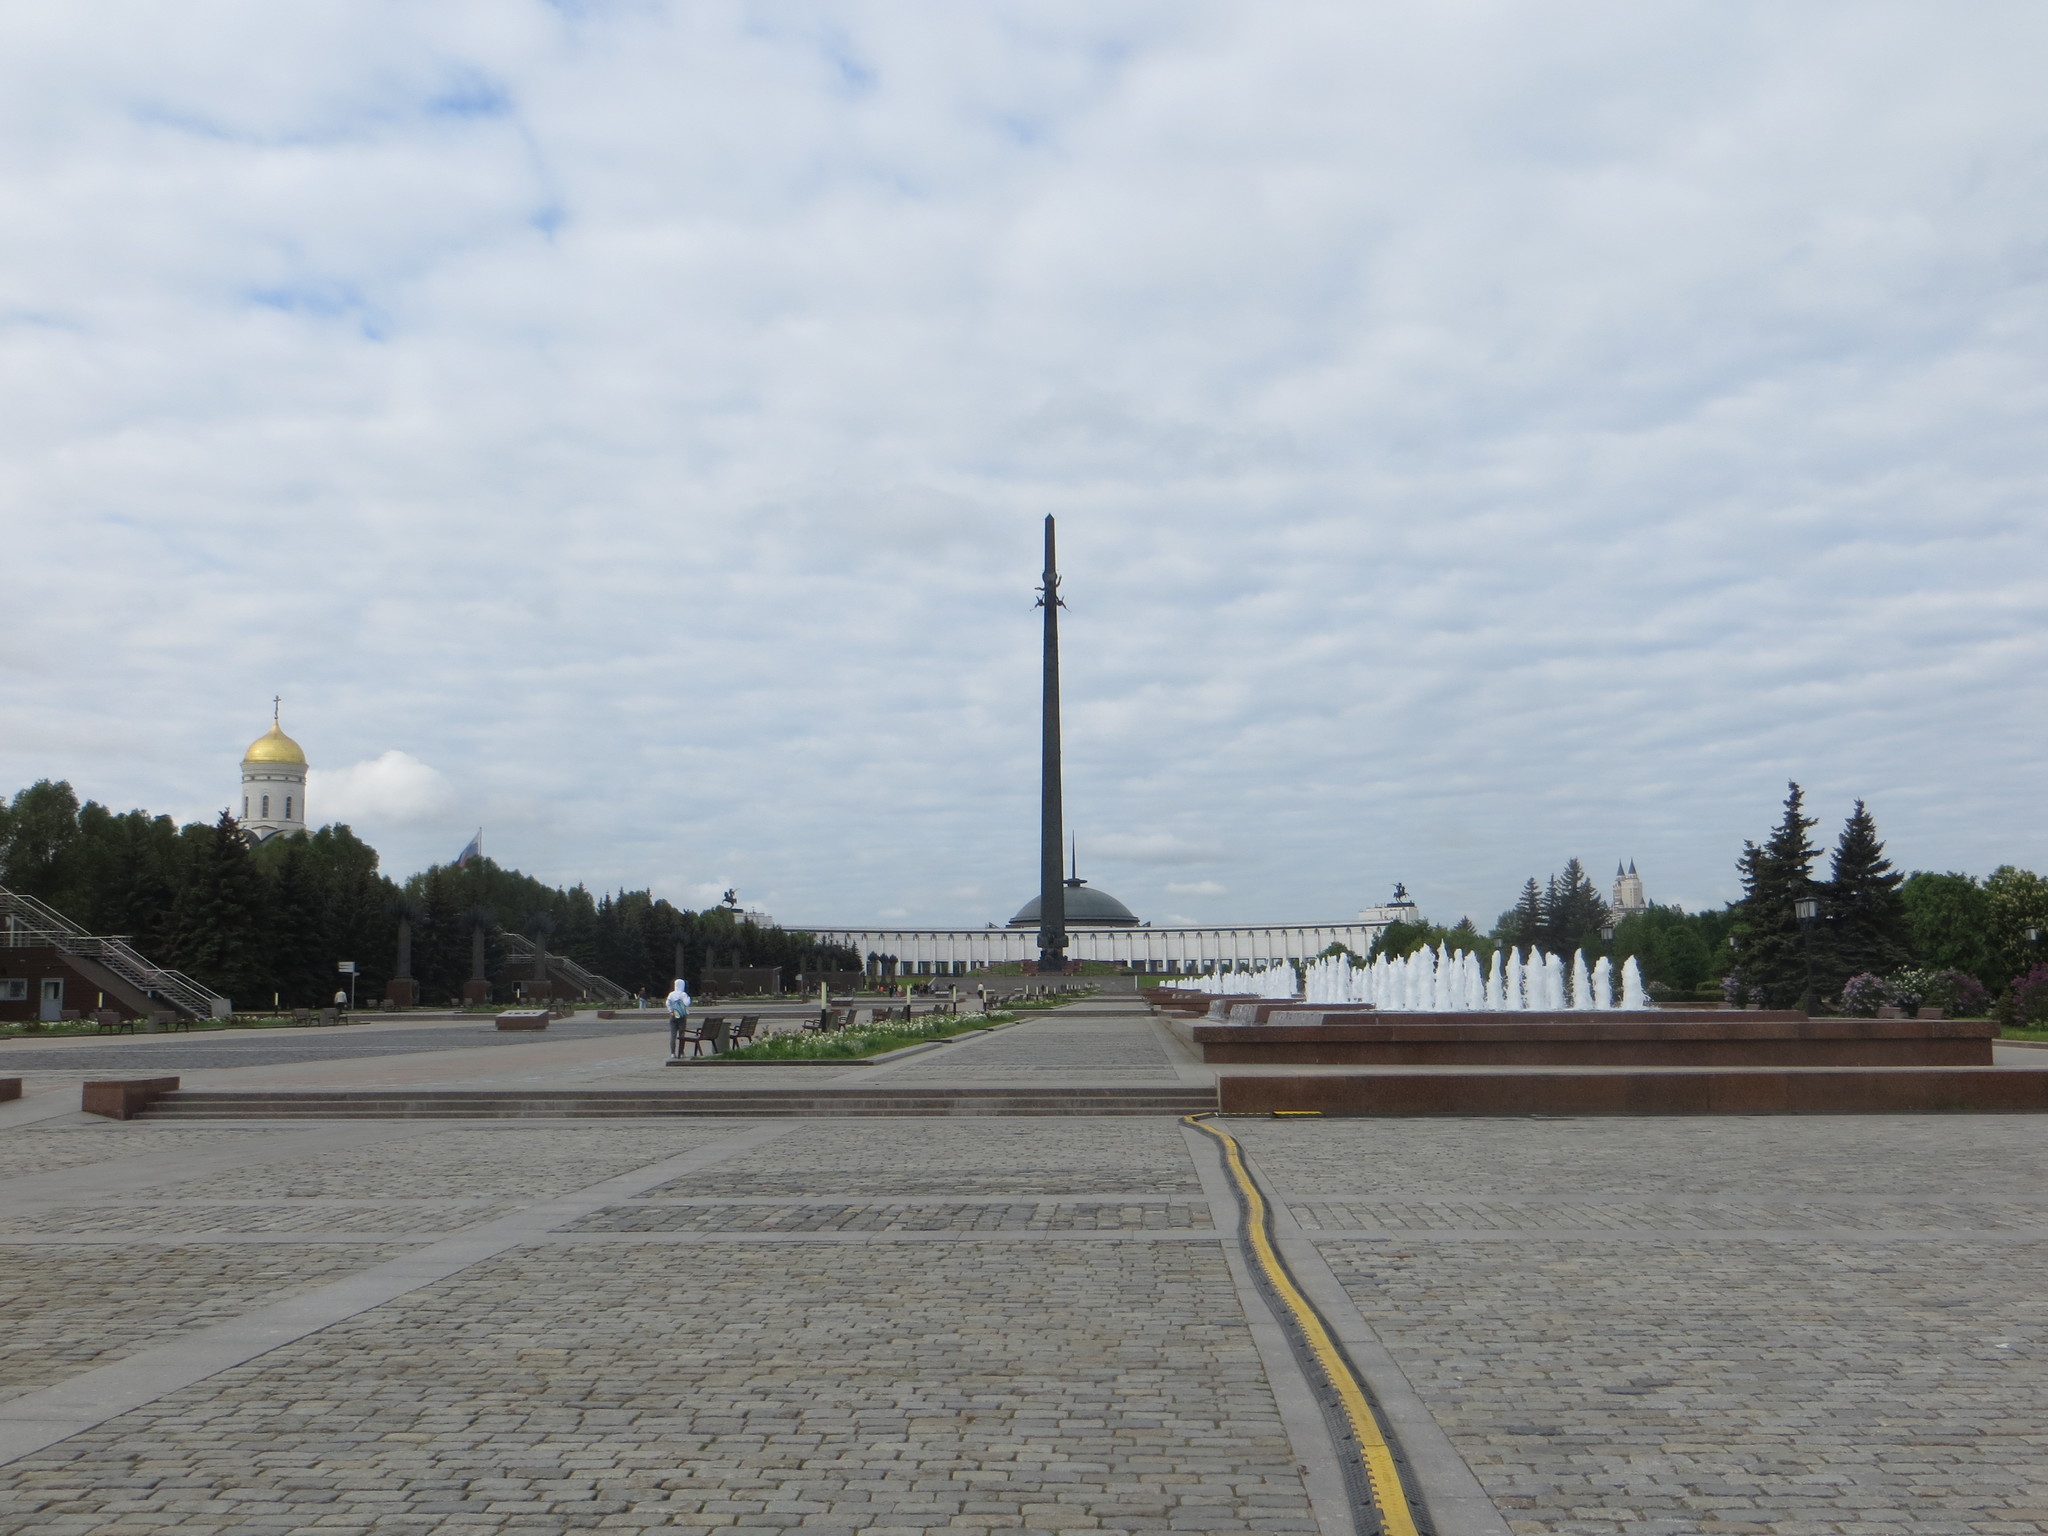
589	986
746	1103
29	922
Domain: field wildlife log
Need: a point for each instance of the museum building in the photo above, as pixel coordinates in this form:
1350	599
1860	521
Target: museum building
1101	928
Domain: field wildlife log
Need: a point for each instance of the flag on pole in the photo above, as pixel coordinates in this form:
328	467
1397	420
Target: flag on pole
473	851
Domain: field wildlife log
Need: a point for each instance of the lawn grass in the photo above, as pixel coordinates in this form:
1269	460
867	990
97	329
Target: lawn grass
2031	1033
75	1027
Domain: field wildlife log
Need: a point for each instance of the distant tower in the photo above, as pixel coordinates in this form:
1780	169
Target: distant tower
273	784
1628	892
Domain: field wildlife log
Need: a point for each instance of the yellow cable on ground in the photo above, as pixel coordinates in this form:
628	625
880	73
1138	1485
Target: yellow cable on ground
1381	1473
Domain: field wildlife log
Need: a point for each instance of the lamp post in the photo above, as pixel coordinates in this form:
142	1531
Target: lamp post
1807	910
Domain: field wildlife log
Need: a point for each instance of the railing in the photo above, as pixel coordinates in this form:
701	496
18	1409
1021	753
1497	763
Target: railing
28	921
519	948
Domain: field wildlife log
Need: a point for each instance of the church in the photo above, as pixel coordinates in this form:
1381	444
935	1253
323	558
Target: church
273	785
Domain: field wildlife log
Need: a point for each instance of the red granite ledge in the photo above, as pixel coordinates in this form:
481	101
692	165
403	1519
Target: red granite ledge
1678	1091
124	1098
1591	1026
10	1088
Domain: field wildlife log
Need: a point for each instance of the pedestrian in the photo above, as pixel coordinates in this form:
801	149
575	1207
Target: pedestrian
678	1017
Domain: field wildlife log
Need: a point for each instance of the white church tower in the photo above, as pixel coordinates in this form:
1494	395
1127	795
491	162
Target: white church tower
273	784
1628	892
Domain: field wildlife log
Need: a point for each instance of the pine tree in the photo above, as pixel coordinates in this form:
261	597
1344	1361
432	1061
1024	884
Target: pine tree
1772	958
1866	926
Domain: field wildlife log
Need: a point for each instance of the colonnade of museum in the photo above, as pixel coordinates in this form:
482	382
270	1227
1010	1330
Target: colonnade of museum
1160	951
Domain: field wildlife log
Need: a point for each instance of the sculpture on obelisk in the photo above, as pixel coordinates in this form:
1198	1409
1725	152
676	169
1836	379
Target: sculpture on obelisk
1052	891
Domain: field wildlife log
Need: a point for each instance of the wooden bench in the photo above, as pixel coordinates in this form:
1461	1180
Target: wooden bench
108	1022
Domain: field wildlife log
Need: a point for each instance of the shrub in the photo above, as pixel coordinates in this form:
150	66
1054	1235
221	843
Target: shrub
1956	993
1908	989
2025	1003
1862	995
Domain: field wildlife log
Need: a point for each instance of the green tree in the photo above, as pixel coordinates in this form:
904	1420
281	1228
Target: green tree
1864	916
1773	960
355	919
1674	950
1573	912
1522	924
294	936
40	826
2016	901
1948	923
217	919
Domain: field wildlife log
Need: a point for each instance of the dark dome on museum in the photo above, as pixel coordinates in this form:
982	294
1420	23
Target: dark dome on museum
1085	909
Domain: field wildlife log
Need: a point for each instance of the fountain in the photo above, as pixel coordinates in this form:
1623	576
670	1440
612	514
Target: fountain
1434	980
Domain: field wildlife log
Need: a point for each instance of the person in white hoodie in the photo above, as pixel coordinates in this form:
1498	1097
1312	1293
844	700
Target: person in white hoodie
678	1017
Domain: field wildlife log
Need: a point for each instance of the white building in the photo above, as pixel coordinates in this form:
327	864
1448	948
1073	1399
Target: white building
1099	927
1628	892
273	786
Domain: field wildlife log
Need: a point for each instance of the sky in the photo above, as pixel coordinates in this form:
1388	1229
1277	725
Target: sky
1480	435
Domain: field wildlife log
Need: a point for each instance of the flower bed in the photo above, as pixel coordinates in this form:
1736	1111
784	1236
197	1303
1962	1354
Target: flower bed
850	1044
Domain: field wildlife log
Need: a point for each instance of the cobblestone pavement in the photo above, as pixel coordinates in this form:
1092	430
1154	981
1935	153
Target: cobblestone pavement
67	1308
969	1157
959	1386
1813	1327
36	1150
991	1215
1848	1375
1104	1047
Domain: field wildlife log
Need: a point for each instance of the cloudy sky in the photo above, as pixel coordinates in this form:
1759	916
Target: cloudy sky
1481	434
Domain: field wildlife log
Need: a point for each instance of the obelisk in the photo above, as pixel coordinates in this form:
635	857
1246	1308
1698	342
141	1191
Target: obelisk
1052	891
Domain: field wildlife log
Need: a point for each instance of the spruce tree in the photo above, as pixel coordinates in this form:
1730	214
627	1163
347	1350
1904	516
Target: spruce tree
1574	912
1522	924
217	923
1866	925
1771	953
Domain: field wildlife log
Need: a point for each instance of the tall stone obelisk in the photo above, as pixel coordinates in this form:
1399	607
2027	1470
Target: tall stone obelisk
1052	890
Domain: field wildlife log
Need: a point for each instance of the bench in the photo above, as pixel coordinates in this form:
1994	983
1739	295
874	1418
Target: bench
108	1022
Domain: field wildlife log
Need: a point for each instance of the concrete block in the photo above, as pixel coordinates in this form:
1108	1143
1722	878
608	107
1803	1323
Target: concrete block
523	1018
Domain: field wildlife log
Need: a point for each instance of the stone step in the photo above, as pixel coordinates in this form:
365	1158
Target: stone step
269	1104
1630	1091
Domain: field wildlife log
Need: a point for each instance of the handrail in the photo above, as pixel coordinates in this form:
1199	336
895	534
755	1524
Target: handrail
29	921
589	983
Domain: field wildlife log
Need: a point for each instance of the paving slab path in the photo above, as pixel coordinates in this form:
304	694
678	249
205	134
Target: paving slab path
1650	1327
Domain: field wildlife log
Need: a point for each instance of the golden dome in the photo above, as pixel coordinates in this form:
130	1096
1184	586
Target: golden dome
274	747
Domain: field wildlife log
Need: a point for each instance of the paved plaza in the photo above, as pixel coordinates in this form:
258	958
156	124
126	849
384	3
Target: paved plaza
1820	1325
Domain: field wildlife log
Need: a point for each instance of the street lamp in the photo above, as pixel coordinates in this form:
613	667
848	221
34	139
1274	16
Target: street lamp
1807	910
